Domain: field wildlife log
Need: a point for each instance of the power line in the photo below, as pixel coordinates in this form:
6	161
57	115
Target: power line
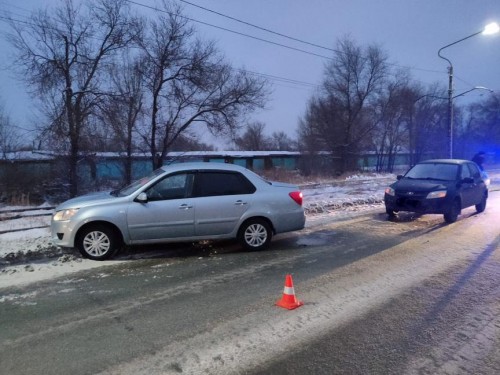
259	27
293	38
267	76
274	78
15	6
210	25
283	79
230	31
251	36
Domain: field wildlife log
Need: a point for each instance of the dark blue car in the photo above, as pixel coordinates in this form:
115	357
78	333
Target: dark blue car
443	186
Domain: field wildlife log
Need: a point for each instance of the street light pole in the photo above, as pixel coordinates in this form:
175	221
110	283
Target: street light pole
491	28
450	111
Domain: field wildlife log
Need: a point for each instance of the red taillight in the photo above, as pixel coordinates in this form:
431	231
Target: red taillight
296	196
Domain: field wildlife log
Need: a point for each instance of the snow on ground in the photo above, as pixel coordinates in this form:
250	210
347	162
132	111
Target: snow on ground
27	254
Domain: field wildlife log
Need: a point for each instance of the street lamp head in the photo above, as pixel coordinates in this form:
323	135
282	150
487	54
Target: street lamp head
482	88
491	28
472	89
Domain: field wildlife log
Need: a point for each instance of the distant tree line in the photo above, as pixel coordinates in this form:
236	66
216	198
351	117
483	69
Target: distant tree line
366	105
107	79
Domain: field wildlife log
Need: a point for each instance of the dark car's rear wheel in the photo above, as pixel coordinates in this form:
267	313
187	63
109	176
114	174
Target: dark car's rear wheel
255	234
97	242
453	211
481	206
390	212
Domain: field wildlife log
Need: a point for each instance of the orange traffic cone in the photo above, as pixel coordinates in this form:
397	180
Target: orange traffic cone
289	301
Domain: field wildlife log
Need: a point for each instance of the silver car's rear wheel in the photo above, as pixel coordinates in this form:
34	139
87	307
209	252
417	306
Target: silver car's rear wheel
255	234
97	242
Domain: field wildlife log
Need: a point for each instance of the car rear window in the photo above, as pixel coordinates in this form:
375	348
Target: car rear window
209	184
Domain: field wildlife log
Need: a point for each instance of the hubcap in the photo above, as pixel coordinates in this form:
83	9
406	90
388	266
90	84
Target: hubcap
256	235
96	243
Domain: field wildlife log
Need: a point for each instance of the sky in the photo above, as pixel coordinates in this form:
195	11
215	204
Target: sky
410	31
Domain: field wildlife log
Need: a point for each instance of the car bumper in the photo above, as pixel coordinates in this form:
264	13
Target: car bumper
62	233
289	222
419	205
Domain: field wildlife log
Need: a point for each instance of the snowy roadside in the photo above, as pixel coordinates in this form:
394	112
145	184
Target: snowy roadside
28	255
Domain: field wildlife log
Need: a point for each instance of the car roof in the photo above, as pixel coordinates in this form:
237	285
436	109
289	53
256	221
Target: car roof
202	166
444	161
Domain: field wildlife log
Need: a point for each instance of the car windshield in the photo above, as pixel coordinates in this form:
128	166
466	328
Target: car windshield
433	171
129	189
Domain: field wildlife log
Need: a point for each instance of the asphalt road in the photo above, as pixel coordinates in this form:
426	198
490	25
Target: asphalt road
411	295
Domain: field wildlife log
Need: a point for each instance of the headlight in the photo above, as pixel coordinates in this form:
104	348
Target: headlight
65	214
436	194
390	191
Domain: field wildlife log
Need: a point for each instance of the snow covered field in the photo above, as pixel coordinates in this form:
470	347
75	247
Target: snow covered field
27	255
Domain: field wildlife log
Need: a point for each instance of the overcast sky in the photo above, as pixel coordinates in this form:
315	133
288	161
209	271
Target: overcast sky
410	31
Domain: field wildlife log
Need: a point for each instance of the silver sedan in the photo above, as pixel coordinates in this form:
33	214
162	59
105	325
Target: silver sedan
180	202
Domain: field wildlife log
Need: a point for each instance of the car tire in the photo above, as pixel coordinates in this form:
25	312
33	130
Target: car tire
452	215
390	213
97	242
255	234
481	206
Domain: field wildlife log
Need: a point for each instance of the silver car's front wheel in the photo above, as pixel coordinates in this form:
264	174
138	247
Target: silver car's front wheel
97	242
255	234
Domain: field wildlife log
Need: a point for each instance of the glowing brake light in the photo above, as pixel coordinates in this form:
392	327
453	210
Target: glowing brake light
297	197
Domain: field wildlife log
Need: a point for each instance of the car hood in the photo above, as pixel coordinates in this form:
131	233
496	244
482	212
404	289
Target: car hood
407	184
87	200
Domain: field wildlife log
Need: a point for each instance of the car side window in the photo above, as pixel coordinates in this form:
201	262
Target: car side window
213	183
171	187
474	170
465	172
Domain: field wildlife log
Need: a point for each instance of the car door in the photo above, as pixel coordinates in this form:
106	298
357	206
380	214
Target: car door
168	212
468	189
222	197
479	184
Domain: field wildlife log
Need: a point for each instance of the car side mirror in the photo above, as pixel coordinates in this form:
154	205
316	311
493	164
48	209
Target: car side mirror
142	198
399	177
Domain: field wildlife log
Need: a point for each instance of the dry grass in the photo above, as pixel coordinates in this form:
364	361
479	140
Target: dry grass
19	199
295	177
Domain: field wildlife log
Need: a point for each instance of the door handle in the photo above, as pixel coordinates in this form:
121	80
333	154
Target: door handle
185	207
240	203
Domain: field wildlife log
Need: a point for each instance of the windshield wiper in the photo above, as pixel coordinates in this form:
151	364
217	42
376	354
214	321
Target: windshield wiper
434	178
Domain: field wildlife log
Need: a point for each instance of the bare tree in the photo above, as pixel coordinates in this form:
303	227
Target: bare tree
353	80
61	54
428	126
280	141
123	111
388	136
189	83
480	130
254	138
319	126
9	137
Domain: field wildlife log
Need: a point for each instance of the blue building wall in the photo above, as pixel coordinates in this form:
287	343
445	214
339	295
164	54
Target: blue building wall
112	168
